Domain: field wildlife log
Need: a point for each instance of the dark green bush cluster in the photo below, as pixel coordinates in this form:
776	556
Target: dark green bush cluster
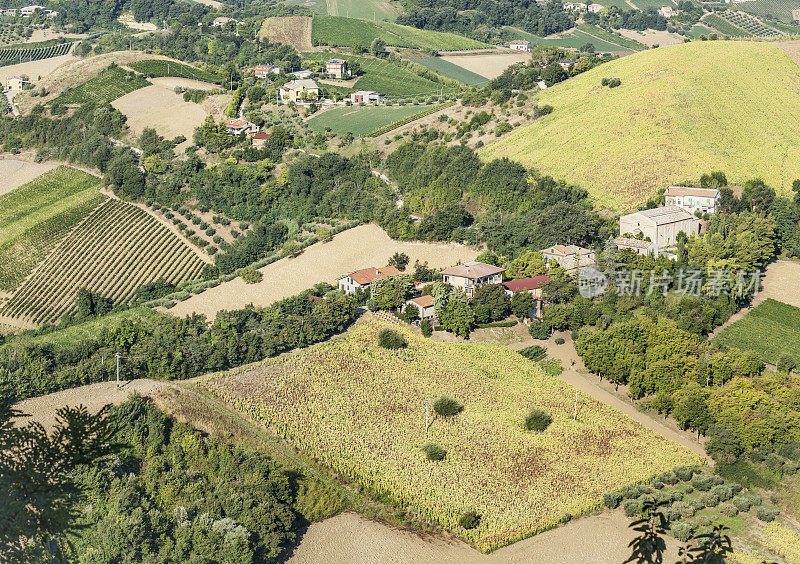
560	340
685	473
611	82
767	513
668	477
434	452
447	406
391	339
612	500
537	420
534	352
470	520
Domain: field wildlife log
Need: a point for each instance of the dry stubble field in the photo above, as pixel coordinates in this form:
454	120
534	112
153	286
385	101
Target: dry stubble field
489	65
360	247
14	173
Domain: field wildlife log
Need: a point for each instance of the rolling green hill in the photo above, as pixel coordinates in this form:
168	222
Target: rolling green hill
681	111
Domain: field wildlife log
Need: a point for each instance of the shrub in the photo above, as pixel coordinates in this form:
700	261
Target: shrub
728	509
434	452
743	502
534	352
767	513
701	483
630	507
723	492
560	340
684	473
251	276
539	330
566	518
790	467
774	461
469	520
676	495
697	504
682	530
612	500
657	484
537	420
709	499
735	488
684	509
447	406
391	339
786	363
668	477
425	327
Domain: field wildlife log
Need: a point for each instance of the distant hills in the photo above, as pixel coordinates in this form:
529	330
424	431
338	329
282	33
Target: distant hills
679	112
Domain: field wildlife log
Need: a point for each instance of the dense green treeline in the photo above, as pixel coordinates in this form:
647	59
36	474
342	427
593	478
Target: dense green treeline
165	347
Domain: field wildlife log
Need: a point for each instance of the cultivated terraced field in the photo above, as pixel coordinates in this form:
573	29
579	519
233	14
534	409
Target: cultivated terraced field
360	120
681	111
115	250
772	329
25	54
36	216
156	68
450	70
346	32
110	84
360	410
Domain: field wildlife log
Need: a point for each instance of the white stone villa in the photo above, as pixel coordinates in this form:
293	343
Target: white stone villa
361	279
472	275
692	199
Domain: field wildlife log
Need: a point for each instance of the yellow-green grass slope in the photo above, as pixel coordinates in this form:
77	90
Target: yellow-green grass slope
360	410
681	111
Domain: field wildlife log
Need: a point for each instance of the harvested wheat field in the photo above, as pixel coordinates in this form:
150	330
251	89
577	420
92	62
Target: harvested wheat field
162	109
172	82
360	247
782	283
349	537
128	21
14	173
489	65
291	30
35	69
652	37
792	48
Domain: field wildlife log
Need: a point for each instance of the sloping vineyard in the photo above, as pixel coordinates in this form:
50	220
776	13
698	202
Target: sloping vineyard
110	84
116	250
24	55
155	68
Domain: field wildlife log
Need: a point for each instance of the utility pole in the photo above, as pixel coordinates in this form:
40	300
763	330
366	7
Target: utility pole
427	409
118	371
575	409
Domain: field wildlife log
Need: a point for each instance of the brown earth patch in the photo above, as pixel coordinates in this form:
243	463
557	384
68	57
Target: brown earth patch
291	30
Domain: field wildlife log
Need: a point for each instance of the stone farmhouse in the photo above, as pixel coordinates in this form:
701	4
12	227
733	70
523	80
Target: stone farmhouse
660	225
237	126
520	45
337	68
569	257
222	20
575	6
361	279
594	8
15	83
424	305
472	275
299	91
692	199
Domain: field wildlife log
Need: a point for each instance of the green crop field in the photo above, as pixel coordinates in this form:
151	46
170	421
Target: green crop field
16	55
156	68
775	9
387	78
772	329
361	120
107	86
572	39
360	410
448	69
681	111
724	27
612	38
373	10
36	216
346	32
118	248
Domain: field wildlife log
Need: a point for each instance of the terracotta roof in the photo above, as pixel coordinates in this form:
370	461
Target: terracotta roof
691	191
566	250
423	301
630	242
525	284
473	270
236	123
367	275
261	136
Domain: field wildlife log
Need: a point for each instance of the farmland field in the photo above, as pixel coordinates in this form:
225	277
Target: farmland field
360	120
387	78
366	9
110	84
155	68
611	38
360	409
291	30
346	32
34	218
114	251
677	115
450	70
14	173
724	26
772	329
574	39
777	9
490	65
17	55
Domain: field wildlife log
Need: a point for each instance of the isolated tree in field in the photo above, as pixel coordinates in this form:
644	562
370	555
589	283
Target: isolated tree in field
399	261
425	327
537	420
36	488
378	47
447	406
391	339
434	452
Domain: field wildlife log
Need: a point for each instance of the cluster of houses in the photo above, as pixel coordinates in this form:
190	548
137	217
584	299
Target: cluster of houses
654	231
581	7
27	12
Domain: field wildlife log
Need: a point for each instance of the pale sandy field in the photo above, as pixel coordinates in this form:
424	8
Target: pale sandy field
46	34
360	247
172	82
652	37
35	69
14	173
489	65
792	48
782	283
128	21
212	3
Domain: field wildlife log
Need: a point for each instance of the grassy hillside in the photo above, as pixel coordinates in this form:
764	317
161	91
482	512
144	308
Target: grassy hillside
680	111
34	218
772	329
360	410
